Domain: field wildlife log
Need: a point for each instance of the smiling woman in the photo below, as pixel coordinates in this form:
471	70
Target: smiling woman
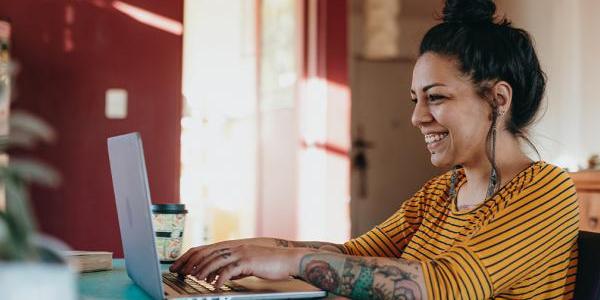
498	225
448	98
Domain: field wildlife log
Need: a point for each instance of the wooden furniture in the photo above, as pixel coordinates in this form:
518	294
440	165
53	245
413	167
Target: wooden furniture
588	266
587	184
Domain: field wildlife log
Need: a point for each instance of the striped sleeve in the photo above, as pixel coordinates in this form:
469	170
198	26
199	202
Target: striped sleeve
389	238
529	240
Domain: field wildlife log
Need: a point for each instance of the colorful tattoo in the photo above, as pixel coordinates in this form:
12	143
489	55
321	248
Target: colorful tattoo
362	278
282	243
323	273
363	286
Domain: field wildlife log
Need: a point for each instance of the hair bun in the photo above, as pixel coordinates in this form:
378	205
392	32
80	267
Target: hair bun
469	11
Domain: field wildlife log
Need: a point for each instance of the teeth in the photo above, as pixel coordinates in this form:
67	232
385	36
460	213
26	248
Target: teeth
434	137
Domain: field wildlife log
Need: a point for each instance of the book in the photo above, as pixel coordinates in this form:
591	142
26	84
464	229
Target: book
90	261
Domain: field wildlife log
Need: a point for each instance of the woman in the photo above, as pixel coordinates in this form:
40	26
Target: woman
496	226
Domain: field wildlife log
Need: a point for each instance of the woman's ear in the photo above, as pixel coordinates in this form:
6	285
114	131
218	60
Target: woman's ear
502	92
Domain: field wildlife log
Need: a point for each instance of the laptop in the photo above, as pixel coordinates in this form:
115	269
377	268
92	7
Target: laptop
132	194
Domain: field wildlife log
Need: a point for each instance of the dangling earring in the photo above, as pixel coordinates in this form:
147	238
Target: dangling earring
492	184
453	180
493	174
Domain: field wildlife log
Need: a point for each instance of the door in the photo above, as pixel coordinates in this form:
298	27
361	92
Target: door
390	161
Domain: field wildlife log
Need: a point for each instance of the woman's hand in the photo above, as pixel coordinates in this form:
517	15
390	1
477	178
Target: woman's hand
209	262
201	251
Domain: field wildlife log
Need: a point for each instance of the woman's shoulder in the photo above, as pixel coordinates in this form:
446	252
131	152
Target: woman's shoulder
547	183
547	174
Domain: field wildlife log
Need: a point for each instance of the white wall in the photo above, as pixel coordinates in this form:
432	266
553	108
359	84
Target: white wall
567	45
590	75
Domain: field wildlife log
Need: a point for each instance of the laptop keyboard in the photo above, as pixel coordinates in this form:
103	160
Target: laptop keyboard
191	285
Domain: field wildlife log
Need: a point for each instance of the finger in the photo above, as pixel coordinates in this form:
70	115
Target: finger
215	264
200	260
229	271
196	259
212	276
182	260
240	276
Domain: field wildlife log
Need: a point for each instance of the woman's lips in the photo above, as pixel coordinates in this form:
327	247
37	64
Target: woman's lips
435	140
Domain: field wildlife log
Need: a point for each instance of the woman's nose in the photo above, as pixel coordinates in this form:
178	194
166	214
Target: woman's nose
421	114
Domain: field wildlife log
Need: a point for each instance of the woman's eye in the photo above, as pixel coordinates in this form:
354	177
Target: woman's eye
413	100
433	98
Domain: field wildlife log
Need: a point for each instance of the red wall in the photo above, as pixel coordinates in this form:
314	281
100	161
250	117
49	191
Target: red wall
109	50
336	33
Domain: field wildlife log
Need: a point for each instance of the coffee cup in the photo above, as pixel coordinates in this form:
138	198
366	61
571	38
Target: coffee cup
169	222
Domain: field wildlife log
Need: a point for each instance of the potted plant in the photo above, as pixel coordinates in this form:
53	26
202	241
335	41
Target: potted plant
30	264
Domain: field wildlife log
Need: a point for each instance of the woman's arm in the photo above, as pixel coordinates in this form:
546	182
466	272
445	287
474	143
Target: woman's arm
196	254
326	246
353	276
361	277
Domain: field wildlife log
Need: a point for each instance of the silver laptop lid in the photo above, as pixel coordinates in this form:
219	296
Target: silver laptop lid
132	195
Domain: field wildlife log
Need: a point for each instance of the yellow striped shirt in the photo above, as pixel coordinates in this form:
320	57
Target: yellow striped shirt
519	244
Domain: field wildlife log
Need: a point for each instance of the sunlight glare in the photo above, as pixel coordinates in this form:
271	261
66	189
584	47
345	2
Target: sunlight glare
149	18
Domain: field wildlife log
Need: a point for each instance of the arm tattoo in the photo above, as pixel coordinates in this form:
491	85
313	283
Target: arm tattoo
312	245
362	277
282	243
322	272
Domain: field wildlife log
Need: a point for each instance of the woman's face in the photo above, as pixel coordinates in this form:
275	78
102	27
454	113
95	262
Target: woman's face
453	119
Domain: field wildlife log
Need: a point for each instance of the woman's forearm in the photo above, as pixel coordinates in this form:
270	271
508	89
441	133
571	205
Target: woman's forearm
360	277
275	242
326	246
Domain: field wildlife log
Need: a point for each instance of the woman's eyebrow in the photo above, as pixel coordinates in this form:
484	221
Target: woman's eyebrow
427	87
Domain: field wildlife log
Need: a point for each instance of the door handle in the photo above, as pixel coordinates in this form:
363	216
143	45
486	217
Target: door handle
359	160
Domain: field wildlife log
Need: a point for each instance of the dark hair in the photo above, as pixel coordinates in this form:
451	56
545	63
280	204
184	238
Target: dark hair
486	50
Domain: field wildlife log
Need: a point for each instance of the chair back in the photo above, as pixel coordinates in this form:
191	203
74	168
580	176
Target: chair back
588	267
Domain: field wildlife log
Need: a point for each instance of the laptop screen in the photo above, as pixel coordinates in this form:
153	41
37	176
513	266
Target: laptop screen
132	195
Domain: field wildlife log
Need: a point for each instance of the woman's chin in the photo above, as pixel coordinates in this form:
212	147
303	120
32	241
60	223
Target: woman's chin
439	160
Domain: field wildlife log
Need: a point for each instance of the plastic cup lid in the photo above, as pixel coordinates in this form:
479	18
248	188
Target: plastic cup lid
169	208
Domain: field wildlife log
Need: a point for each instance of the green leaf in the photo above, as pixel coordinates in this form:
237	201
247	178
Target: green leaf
27	129
33	171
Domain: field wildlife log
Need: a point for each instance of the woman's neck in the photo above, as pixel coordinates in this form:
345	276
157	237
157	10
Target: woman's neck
510	160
